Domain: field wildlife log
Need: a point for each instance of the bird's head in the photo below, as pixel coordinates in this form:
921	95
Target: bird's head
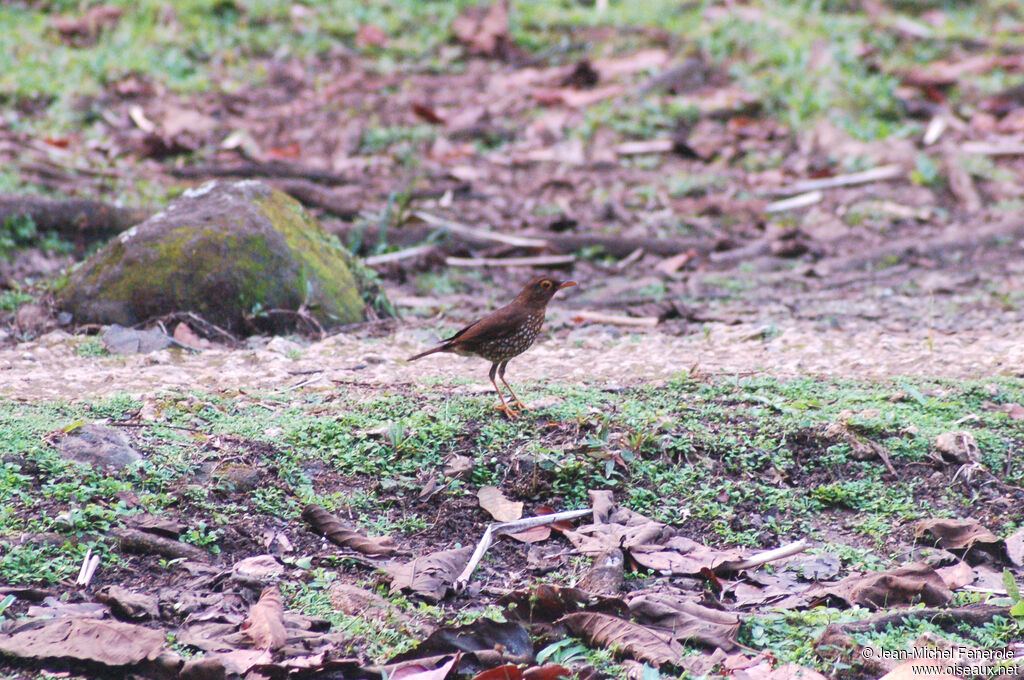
541	289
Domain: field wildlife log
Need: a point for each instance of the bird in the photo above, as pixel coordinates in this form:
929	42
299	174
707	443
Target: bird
505	333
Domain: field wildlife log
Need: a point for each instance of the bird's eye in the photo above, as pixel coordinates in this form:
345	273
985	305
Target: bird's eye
545	284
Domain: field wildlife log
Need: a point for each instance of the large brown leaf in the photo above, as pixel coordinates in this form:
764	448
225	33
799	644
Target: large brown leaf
961	534
431	575
901	587
265	625
685	620
111	643
625	637
328	525
502	509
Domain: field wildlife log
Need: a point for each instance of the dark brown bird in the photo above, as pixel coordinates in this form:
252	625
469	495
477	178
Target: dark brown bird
505	333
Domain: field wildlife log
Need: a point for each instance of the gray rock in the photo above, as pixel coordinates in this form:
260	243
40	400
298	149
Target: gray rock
99	446
120	340
228	251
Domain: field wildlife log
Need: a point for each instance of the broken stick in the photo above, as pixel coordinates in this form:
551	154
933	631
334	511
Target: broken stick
502	528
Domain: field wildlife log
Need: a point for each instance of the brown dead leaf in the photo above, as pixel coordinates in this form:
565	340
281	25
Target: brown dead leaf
484	30
111	643
956	575
683	556
1015	548
671	265
573	98
184	335
418	671
549	671
958	447
685	620
508	671
791	671
328	525
431	575
370	35
82	31
265	623
427	113
900	587
625	637
1015	411
502	509
957	534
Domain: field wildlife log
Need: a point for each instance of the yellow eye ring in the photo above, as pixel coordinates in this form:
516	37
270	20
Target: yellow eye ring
546	284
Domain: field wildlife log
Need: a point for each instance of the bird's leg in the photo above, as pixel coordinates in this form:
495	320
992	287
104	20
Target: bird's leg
509	411
501	374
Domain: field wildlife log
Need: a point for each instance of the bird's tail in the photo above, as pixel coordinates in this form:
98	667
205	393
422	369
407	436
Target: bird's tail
439	348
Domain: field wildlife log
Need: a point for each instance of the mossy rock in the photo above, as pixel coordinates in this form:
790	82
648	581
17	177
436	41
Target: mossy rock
231	252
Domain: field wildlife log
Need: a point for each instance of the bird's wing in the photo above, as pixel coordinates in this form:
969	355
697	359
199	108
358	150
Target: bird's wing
496	325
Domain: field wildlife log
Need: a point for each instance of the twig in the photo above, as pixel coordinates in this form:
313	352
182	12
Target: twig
250	169
398	255
615	319
644	147
502	528
771	555
536	261
630	259
801	201
993	148
89	566
878	174
484	234
313	195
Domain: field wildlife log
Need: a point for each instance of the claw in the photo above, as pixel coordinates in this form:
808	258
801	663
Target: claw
509	411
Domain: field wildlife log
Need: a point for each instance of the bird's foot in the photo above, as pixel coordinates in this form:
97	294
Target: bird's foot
521	405
509	411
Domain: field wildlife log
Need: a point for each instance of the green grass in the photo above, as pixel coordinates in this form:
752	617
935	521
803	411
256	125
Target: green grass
707	456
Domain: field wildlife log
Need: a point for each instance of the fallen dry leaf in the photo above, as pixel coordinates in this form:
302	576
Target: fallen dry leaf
369	35
960	534
111	643
1015	548
902	587
186	336
791	671
502	509
958	447
418	671
573	98
956	575
265	624
625	637
484	30
330	526
430	576
685	620
82	31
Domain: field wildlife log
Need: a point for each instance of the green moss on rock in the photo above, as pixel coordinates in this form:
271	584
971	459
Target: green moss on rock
228	252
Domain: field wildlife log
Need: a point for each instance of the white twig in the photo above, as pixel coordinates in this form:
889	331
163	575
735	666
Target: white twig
615	319
1007	148
878	174
771	555
501	528
397	255
801	201
89	566
536	261
644	147
630	259
85	565
936	126
483	234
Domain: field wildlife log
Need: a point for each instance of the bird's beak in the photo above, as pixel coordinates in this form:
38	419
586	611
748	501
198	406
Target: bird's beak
566	284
